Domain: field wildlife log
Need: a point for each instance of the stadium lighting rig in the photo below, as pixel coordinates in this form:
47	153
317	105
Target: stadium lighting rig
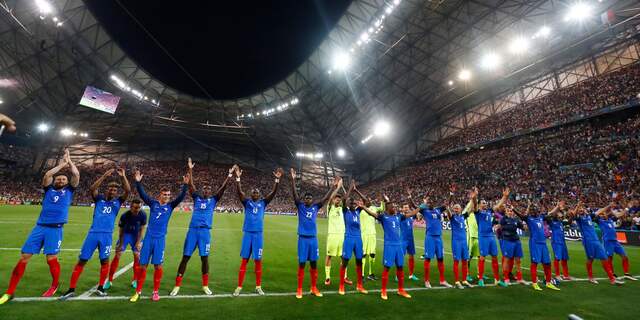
579	11
490	61
46	10
380	129
310	155
341	153
136	93
43	127
269	111
67	132
464	75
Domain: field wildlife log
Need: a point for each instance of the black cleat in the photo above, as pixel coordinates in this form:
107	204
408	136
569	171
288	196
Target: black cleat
69	294
100	292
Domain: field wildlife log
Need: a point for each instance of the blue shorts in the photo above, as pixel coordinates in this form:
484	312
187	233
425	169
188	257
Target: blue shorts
351	245
308	249
96	240
393	255
197	237
409	246
613	246
49	238
128	239
433	247
251	245
488	246
539	253
512	249
560	251
460	249
152	250
594	250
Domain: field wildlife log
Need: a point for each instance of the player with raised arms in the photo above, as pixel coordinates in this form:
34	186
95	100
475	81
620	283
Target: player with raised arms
100	234
556	222
368	225
459	245
606	221
308	249
511	245
408	241
487	237
131	228
352	240
252	239
335	234
154	242
199	234
47	234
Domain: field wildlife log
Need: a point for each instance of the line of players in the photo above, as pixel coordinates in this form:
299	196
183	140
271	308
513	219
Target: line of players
349	233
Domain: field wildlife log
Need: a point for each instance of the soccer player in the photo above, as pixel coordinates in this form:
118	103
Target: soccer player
511	245
154	240
352	240
199	234
472	241
101	232
393	253
538	250
612	246
308	233
459	247
487	238
252	228
558	243
408	241
433	240
368	225
592	246
47	234
131	227
335	235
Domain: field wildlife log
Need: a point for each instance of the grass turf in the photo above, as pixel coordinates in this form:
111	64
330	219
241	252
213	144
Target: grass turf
279	276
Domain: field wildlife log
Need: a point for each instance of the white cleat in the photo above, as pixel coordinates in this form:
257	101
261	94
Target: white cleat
629	277
524	282
592	280
445	284
617	282
236	292
427	284
259	291
175	291
207	291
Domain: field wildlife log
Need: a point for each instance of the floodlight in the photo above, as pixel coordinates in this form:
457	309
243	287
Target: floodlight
341	153
44	6
381	128
341	61
578	12
66	132
43	127
519	45
490	61
464	75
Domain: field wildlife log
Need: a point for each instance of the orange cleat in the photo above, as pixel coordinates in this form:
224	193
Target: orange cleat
50	292
316	292
299	293
347	281
362	290
383	295
405	294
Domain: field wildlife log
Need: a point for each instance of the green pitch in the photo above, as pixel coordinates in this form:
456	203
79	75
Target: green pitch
601	301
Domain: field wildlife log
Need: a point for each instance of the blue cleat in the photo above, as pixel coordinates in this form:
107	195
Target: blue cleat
481	283
134	284
107	285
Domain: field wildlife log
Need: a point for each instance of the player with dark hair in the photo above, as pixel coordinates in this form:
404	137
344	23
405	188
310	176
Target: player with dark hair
558	243
154	240
606	220
352	240
252	240
47	234
101	232
308	249
408	241
393	253
199	234
335	234
131	227
368	226
487	237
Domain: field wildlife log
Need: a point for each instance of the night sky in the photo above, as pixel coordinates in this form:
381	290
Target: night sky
232	48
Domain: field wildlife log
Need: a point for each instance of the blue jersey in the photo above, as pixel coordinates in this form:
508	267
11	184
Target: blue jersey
458	227
254	215
131	223
391	224
406	227
104	214
608	229
202	211
160	214
433	218
351	222
536	228
586	227
55	205
557	230
307	219
509	227
484	218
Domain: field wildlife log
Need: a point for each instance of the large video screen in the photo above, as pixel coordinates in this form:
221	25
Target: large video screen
100	100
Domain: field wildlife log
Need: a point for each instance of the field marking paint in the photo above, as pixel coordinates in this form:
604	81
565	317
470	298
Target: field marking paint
20	249
253	295
88	293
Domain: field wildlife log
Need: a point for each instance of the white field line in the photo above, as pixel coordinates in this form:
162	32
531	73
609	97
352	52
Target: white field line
19	249
249	295
88	293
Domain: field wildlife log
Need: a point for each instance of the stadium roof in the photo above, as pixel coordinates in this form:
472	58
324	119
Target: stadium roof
399	72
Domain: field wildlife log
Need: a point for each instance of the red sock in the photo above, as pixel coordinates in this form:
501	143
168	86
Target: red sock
359	275
136	267
556	267
75	275
300	277
506	267
142	276
205	280
314	277
54	269
104	273
385	280
441	270
242	271
565	268
179	281
495	268
427	267
590	268
519	271
411	265
547	272
456	272
534	272
610	260
157	276
16	275
625	264
607	268
400	275
343	270
465	270
258	272
114	267
481	269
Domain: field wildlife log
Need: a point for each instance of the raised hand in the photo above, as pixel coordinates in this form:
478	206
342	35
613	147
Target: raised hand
337	181
233	168
120	171
506	191
137	176
386	198
67	156
278	173
190	164
109	172
292	171
238	171
185	179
